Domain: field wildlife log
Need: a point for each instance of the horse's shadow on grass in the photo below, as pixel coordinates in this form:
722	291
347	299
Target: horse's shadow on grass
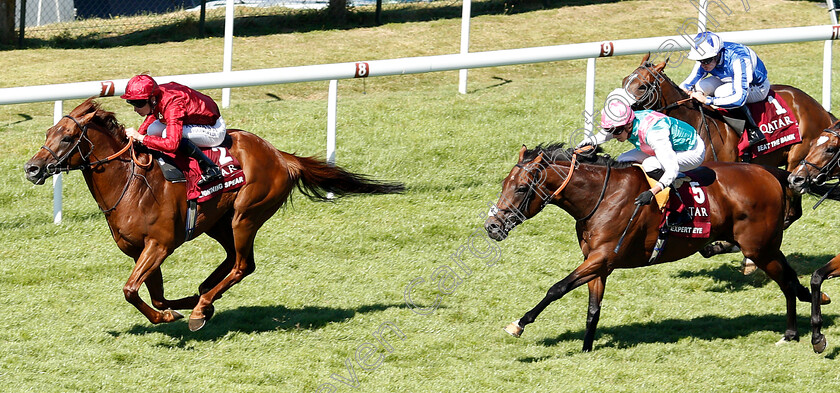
728	278
708	328
255	319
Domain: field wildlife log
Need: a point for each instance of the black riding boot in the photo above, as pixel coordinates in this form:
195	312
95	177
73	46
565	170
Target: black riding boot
210	172
754	135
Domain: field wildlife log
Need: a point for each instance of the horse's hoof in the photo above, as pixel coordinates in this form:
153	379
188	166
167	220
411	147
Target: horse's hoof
782	341
514	329
172	315
824	299
747	266
197	323
819	344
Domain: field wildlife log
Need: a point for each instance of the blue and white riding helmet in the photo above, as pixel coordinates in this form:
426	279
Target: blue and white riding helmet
706	45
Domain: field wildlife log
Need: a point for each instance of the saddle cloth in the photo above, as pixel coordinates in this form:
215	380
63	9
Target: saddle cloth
189	171
690	204
775	119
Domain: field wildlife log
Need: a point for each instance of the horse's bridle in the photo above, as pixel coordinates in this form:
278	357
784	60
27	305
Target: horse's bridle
55	168
58	167
656	86
824	172
531	194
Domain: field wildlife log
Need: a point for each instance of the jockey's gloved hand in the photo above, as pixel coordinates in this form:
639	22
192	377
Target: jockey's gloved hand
644	198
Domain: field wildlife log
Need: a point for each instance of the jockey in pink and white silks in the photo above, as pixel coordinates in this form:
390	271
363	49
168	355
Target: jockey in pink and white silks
663	144
727	75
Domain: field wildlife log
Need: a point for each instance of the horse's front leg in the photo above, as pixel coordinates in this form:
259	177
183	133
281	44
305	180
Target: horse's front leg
793	211
145	266
593	267
777	268
593	314
155	286
242	266
831	269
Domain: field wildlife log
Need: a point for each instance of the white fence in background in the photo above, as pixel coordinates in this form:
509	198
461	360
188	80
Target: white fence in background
415	65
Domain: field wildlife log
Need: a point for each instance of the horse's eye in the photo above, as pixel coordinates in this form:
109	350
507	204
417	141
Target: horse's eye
521	189
67	139
831	150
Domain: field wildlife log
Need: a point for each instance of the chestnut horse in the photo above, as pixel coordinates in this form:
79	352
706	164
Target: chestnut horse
147	214
654	90
819	166
747	205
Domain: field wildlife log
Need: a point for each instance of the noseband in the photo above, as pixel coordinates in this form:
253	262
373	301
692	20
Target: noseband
824	172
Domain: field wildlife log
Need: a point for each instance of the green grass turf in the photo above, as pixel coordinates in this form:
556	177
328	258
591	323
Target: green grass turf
329	275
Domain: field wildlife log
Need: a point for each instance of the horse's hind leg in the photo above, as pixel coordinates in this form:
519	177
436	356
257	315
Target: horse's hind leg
831	269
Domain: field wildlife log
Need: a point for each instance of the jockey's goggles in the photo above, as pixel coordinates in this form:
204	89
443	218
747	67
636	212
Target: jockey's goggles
616	131
137	103
709	60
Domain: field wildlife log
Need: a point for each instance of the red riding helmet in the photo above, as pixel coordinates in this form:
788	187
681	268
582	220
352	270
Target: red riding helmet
140	87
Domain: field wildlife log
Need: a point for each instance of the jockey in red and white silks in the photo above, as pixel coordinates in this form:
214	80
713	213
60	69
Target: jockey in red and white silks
177	118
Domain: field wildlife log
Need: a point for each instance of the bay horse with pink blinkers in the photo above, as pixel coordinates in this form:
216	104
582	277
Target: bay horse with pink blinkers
147	214
652	89
747	205
819	166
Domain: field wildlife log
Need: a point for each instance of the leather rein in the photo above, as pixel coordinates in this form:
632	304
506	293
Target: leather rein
62	163
572	166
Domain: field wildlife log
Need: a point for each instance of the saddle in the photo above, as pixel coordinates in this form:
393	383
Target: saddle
773	117
687	214
181	169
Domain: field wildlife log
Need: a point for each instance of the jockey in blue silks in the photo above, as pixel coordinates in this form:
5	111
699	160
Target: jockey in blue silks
734	76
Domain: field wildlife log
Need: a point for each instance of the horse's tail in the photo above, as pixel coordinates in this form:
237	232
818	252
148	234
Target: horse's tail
316	178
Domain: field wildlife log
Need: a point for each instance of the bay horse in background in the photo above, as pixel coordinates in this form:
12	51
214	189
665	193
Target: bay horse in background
655	90
747	205
819	166
146	213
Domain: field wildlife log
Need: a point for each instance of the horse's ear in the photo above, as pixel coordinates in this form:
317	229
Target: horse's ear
645	59
661	66
522	152
87	118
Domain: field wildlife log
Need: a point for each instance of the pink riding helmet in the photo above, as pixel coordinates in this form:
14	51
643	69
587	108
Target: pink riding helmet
616	114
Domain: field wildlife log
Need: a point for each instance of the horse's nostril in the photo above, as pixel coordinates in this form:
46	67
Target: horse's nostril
31	169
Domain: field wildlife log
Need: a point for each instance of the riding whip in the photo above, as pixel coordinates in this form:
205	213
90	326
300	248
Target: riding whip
621	239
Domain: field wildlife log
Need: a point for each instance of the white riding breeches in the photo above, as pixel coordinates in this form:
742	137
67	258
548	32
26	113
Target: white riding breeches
200	135
712	86
687	160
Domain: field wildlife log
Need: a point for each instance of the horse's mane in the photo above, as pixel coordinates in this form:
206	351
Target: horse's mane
102	117
559	152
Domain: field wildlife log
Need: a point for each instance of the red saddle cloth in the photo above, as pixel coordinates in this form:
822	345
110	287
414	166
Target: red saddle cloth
231	169
775	119
692	205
